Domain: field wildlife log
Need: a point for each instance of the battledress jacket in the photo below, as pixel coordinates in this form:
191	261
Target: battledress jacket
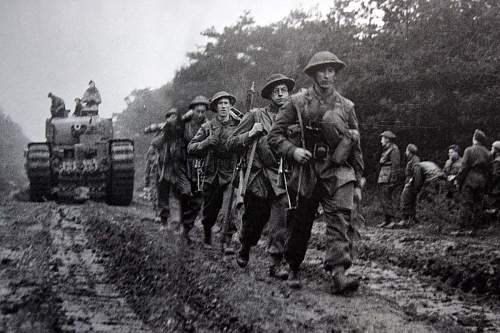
219	161
332	116
410	167
475	168
264	170
390	160
172	160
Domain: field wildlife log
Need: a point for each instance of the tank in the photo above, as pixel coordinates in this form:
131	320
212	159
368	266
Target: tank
81	160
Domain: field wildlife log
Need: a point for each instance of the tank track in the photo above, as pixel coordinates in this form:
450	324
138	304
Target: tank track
38	170
121	187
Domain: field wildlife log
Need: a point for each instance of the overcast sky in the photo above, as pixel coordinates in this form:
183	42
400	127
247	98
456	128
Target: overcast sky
59	45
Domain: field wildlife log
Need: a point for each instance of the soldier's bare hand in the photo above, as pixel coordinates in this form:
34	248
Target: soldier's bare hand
256	130
211	141
302	155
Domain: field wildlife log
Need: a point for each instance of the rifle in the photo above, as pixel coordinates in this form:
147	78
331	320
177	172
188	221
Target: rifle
200	174
236	172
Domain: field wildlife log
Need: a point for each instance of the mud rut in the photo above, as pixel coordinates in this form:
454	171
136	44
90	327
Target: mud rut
95	268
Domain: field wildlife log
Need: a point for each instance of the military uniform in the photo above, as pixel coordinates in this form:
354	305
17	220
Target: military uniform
421	173
265	199
219	166
388	178
174	189
472	181
91	99
57	106
331	116
452	167
409	194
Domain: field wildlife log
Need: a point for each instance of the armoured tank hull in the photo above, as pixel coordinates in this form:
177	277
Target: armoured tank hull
80	160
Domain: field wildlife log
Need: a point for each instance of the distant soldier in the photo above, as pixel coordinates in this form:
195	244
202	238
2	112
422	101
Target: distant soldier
91	99
327	169
151	169
264	200
78	107
210	142
57	106
495	179
453	164
472	179
389	176
409	194
174	188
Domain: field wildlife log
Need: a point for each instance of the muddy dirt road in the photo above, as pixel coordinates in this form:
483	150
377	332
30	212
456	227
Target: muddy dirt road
96	268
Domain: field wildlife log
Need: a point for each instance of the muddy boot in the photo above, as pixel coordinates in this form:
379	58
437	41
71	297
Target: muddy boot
243	256
207	237
342	284
294	280
228	248
185	236
276	270
386	222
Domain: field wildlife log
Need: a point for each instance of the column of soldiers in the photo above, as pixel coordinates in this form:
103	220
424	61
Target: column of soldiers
284	160
471	180
281	160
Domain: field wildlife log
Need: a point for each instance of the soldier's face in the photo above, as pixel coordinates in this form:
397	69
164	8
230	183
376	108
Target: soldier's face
452	154
384	141
223	107
325	76
279	94
199	112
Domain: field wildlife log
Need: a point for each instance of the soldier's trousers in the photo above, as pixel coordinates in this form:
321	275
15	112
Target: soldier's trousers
215	200
409	200
473	192
258	212
340	232
389	199
180	208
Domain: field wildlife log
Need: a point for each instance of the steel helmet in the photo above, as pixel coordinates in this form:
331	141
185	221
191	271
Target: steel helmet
273	80
219	95
388	134
199	100
323	58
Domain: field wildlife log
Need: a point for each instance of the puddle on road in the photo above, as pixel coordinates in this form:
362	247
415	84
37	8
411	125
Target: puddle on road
419	298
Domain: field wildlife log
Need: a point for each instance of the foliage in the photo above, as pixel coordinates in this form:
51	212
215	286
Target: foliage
12	144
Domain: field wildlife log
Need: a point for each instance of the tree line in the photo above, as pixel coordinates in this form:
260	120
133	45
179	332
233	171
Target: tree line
12	144
429	70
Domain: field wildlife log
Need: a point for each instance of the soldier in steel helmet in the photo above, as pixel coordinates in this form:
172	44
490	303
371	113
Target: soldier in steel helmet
327	168
174	187
265	200
472	180
389	176
57	106
209	143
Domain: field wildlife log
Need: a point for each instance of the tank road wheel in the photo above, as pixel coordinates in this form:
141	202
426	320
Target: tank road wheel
121	187
38	170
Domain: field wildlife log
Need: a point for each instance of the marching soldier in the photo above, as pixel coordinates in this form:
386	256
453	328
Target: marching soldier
472	179
327	169
210	142
174	188
388	177
265	200
193	120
